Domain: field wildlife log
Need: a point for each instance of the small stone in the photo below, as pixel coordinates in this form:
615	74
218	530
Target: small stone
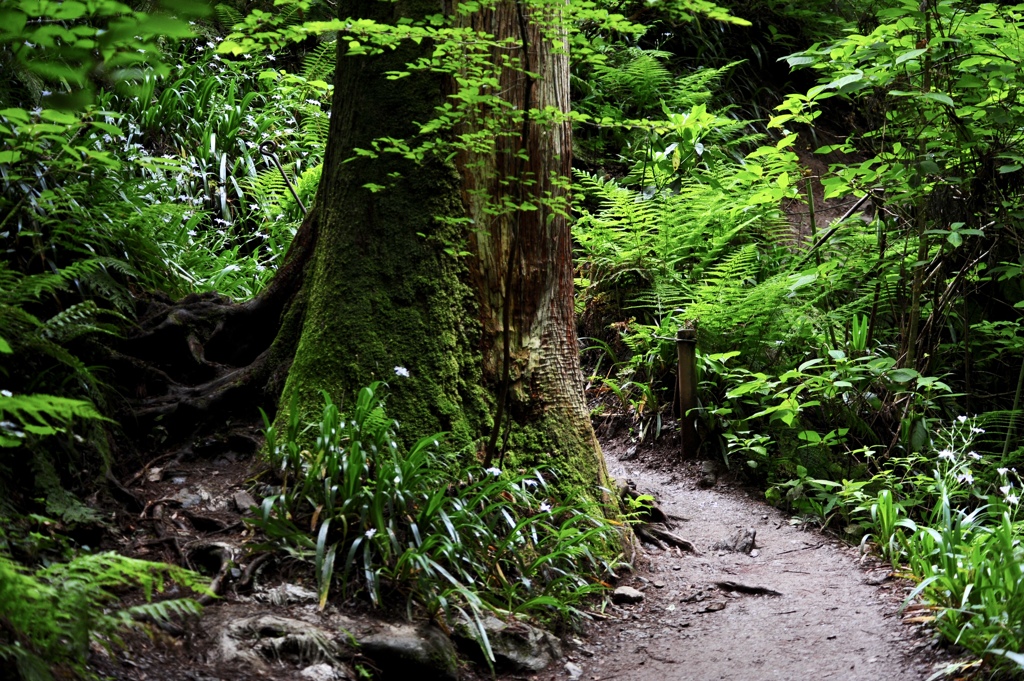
189	498
573	670
741	541
755	553
321	672
626	595
243	501
629	455
517	646
155	474
708	474
659	585
408	651
714	606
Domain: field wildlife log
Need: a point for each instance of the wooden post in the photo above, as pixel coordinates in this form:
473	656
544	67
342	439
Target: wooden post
686	347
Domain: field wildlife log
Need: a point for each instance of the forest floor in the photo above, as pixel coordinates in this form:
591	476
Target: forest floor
821	610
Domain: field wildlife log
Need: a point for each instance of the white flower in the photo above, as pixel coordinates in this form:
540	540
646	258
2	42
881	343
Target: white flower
271	57
370	532
947	454
1012	498
530	483
6	393
961	419
493	471
545	507
966	477
1002	471
980	431
402	371
1005	489
974	455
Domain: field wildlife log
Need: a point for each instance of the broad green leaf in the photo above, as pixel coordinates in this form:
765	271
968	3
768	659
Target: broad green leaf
846	80
67	10
903	375
800	60
912	54
938	97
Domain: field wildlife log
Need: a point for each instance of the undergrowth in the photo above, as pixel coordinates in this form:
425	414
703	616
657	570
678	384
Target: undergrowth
389	523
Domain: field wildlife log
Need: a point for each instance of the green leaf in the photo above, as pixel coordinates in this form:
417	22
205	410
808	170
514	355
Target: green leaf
58	117
938	97
68	9
847	80
809	436
903	375
907	56
800	61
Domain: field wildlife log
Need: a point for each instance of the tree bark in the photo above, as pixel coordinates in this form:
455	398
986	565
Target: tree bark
389	289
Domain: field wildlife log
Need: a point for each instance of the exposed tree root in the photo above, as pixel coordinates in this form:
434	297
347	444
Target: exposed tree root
662	538
195	371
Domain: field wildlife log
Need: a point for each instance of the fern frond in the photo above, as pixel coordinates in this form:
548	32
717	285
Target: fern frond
319	63
227	16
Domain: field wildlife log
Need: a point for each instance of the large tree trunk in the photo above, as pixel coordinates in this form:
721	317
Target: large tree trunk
407	264
391	285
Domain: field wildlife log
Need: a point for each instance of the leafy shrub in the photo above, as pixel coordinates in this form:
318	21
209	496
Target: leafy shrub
398	520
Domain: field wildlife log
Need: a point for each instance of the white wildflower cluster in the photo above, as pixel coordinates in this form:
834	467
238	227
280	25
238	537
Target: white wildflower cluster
954	455
1009	488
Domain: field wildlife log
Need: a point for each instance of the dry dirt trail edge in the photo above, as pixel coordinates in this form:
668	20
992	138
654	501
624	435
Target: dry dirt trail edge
834	618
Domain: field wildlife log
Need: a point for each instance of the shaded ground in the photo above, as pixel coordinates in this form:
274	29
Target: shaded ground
835	615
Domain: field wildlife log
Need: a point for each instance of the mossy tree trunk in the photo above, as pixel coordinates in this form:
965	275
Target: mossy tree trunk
479	312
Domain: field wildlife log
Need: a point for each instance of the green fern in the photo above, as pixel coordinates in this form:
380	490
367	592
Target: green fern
227	16
319	63
49	618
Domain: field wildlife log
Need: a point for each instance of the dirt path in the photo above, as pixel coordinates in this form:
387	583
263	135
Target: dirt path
834	619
